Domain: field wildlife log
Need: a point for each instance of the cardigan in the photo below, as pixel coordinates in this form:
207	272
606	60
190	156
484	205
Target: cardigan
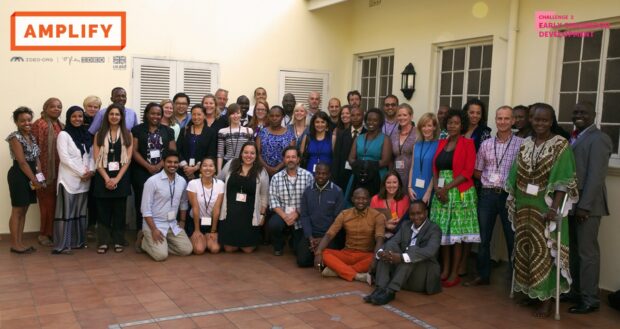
261	198
463	162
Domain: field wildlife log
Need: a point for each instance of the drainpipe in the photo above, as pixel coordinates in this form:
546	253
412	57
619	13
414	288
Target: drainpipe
511	52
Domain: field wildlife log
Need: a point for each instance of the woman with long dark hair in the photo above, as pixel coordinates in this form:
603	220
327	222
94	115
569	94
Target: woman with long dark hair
205	195
318	144
477	128
113	149
245	201
77	167
195	142
393	199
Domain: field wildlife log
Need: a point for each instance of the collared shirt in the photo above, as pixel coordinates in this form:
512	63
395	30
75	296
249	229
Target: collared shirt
160	197
361	228
356	131
286	192
495	158
575	135
286	120
184	122
319	208
414	239
131	120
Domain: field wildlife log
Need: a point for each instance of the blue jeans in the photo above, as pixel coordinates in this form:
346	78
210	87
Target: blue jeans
491	204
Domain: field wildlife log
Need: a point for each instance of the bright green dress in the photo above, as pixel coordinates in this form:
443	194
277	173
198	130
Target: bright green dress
551	167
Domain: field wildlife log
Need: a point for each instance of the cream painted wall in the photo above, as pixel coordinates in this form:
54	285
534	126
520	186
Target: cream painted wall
251	41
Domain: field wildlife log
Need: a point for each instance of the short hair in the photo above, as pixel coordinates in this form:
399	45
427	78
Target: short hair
21	110
221	90
232	109
92	99
289	148
362	189
407	107
476	101
391	96
148	109
504	107
586	105
169	153
277	107
322	165
520	108
351	93
400	194
115	89
425	118
242	98
255	90
462	116
419	202
177	95
319	115
334	99
378	112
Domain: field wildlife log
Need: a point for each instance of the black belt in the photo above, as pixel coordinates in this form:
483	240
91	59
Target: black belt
497	190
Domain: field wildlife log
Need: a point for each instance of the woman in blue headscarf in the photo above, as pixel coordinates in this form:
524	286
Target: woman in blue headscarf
76	168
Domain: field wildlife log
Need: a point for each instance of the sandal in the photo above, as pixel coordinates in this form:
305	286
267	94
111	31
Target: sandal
45	241
118	248
102	249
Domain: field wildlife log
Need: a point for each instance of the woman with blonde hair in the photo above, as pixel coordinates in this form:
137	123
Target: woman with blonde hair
45	131
213	118
299	127
421	172
92	105
259	119
168	118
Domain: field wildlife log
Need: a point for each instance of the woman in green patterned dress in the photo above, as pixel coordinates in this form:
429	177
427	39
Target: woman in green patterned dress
542	175
454	206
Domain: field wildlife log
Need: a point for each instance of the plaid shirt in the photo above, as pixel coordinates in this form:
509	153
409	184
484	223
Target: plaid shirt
497	159
286	193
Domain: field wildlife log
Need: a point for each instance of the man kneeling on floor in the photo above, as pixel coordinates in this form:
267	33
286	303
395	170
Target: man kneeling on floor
364	228
409	258
163	194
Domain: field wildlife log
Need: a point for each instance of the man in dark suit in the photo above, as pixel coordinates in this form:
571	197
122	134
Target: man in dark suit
341	169
409	259
592	150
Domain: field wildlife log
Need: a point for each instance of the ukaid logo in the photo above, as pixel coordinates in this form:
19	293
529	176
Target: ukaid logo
68	30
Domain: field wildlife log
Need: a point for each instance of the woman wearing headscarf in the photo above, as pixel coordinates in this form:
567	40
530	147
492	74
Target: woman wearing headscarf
45	131
77	167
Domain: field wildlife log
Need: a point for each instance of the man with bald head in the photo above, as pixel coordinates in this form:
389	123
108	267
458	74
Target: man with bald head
314	101
364	228
333	107
494	160
288	104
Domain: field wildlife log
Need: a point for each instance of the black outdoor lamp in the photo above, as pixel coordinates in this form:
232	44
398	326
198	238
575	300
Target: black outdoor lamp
407	85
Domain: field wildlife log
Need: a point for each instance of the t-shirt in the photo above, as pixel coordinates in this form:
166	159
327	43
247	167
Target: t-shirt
206	195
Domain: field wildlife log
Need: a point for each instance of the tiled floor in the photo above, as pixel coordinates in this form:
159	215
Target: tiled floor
86	290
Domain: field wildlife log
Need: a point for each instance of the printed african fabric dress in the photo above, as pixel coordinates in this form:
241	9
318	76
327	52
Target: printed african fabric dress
535	175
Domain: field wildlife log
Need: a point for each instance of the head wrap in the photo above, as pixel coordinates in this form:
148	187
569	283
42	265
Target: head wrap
81	137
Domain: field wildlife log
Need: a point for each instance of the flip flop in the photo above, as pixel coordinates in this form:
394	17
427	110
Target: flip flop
17	251
118	248
102	249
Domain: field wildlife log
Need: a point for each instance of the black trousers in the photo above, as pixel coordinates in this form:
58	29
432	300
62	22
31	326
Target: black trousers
111	221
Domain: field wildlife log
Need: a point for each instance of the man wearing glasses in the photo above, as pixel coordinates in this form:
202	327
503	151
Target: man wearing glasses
390	106
180	101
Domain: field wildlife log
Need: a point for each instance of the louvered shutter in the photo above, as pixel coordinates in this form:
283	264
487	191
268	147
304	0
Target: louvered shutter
300	84
197	79
151	82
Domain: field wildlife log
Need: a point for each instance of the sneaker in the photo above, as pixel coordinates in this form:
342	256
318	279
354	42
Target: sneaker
327	272
383	297
362	277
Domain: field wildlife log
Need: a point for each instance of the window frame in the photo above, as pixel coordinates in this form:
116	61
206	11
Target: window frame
359	62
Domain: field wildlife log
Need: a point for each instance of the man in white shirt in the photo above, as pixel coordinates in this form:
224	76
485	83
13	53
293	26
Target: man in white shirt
409	258
164	193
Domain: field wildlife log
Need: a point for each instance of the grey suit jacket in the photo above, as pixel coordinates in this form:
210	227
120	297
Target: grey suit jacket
423	254
592	151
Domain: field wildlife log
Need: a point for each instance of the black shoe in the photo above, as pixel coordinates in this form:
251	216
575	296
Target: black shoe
368	298
277	252
569	298
582	308
383	297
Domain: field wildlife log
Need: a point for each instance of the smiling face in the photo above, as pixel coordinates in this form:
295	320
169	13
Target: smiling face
235	117
154	116
260	111
260	94
321	174
390	105
357	117
360	199
288	103
119	96
314	99
403	117
345	115
320	125
391	185
180	106
171	164
24	123
53	109
299	113
92	109
542	121
522	119
504	119
244	104
198	116
114	116
333	107
417	214
454	126
248	155
372	122
428	130
207	168
77	118
209	105
583	116
168	110
291	159
474	113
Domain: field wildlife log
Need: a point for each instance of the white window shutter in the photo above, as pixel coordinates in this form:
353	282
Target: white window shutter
151	82
300	84
197	79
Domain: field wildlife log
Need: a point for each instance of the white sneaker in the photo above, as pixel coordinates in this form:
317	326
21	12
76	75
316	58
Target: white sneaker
362	277
327	272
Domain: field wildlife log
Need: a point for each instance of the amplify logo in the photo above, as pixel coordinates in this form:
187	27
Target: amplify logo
68	30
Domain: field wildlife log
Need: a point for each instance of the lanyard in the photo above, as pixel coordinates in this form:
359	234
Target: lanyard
111	146
387	205
400	145
367	147
172	187
391	131
287	181
497	164
210	195
193	140
236	142
534	163
321	147
422	155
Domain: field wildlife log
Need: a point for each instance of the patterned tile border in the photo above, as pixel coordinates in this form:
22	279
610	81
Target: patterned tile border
390	308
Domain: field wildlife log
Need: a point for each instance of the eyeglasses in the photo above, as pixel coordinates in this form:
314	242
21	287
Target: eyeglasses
181	103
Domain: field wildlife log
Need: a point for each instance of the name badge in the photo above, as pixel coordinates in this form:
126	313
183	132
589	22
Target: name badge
494	178
289	210
172	215
241	197
531	189
40	177
400	164
154	154
441	182
419	183
114	166
205	221
192	162
347	166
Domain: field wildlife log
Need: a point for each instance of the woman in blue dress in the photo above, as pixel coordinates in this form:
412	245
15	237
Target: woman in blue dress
317	145
421	173
272	140
370	155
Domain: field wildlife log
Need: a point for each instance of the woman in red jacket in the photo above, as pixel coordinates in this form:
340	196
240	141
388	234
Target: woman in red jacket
454	206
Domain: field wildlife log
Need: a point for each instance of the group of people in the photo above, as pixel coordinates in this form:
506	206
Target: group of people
361	194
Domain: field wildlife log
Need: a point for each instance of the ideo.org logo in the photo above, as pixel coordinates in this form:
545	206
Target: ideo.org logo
68	30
